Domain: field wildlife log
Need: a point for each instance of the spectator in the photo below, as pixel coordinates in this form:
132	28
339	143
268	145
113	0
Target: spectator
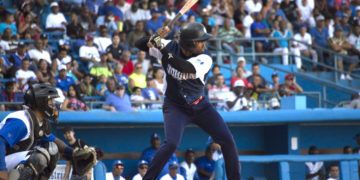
63	81
122	79
143	166
205	164
290	9
101	85
334	172
355	101
229	34
283	46
102	41
220	11
159	80
123	6
253	6
137	78
255	68
86	87
20	54
347	150
102	68
340	45
141	59
290	87
259	30
55	21
155	22
134	15
219	91
11	93
109	6
43	74
315	170
151	93
137	98
108	21
24	75
118	101
47	47
89	53
320	35
247	22
241	62
275	84
149	153
137	33
305	8
128	66
239	76
9	23
354	41
115	50
258	87
214	72
304	44
29	26
188	165
237	100
117	171
73	142
86	19
173	172
73	101
74	29
239	15
39	52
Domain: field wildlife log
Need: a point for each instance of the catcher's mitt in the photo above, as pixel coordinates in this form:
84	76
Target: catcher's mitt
84	159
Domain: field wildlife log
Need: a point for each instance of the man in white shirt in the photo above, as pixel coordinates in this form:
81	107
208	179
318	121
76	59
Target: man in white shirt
305	11
142	169
304	42
173	172
354	40
135	14
247	21
102	41
253	6
123	6
89	53
188	164
55	21
118	169
39	52
23	75
237	100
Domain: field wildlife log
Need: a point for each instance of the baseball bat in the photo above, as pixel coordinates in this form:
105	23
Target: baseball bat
182	11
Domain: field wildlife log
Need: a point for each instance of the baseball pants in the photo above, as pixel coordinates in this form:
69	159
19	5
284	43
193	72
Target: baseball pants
207	118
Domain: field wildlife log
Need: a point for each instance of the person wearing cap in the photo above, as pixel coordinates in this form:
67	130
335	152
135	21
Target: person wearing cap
237	100
173	172
63	81
103	40
73	142
290	86
143	166
339	44
188	165
118	101
24	75
55	21
9	23
149	153
20	54
156	21
89	53
39	52
275	84
117	171
304	42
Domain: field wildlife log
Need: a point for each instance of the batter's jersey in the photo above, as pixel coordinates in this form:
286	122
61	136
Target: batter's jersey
183	87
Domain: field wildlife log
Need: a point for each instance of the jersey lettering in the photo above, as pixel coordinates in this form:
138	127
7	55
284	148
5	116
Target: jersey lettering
179	75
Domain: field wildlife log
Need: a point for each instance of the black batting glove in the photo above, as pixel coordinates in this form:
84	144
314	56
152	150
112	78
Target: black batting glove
155	40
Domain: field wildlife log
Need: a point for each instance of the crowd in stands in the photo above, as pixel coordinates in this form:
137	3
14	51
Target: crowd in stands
87	47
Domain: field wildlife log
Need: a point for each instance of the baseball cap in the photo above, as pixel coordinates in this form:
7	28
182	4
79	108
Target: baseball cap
66	60
63	42
241	58
320	18
53	4
274	74
173	165
155	136
289	77
118	162
189	150
62	67
142	162
89	37
21	44
239	83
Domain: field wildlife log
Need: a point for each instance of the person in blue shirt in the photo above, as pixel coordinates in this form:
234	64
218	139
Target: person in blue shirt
149	153
20	54
205	164
320	35
28	149
63	81
156	21
9	23
118	101
151	93
259	29
108	6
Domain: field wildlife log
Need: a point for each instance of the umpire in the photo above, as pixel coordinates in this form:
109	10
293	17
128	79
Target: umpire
186	66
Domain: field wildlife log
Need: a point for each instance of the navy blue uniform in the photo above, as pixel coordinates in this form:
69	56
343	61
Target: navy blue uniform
185	103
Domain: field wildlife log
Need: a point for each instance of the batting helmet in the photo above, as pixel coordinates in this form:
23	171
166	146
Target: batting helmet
37	98
191	33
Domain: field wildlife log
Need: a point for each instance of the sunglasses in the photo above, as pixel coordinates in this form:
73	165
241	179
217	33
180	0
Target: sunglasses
143	167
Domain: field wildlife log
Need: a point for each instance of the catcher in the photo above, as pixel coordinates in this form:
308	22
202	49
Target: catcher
28	149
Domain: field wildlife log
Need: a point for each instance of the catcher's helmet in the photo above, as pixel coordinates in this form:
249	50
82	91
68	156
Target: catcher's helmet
37	98
191	33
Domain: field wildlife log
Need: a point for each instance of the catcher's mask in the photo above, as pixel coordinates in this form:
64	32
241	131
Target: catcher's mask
41	97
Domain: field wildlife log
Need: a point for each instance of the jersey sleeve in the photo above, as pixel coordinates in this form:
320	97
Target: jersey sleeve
202	64
13	131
